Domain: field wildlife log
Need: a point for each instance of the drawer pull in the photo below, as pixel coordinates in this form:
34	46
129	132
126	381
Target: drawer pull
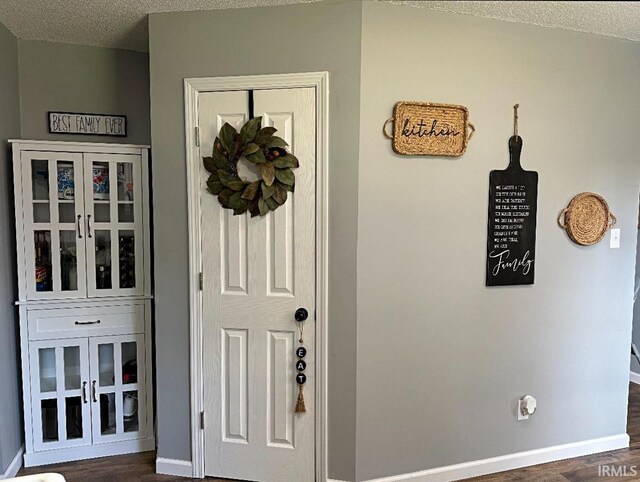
94	322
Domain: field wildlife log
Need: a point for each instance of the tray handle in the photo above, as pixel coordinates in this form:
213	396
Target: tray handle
384	128
613	220
472	128
562	213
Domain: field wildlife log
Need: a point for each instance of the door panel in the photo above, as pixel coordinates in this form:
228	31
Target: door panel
113	206
234	253
234	386
61	411
54	225
118	388
256	273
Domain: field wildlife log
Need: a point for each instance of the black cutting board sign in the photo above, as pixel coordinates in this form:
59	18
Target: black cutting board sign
511	232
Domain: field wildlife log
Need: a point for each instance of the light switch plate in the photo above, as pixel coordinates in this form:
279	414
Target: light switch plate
614	240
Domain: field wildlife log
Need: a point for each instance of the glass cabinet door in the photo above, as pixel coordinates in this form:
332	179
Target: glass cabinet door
54	225
60	406
118	388
113	205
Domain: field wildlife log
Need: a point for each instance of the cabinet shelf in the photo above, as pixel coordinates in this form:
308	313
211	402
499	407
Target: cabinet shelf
48	385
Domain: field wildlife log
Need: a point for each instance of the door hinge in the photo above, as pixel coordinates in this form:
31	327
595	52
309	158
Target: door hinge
201	420
200	281
198	136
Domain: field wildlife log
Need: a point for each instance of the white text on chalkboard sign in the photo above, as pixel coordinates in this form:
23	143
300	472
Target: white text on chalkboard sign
87	124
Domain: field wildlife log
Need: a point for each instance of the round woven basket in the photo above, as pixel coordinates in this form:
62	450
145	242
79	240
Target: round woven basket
587	218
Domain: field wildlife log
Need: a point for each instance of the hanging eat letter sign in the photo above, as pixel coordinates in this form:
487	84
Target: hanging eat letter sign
429	129
511	231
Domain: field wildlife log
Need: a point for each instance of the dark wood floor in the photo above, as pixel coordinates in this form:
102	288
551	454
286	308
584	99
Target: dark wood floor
141	467
122	468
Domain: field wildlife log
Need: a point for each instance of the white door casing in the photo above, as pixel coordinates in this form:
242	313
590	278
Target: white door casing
256	273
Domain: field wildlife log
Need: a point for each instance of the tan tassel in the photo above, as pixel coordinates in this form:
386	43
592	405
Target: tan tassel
300	408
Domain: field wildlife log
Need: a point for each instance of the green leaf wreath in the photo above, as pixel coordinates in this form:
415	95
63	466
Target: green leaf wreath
260	146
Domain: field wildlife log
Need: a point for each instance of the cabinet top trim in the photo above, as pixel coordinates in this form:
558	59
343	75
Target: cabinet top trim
47	145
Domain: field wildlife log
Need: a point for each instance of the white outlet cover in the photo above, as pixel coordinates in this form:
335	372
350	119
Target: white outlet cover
614	240
521	416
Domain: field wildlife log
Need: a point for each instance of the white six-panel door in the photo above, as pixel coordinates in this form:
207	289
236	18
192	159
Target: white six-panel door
256	273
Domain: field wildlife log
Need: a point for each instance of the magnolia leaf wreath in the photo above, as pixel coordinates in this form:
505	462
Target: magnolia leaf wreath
261	147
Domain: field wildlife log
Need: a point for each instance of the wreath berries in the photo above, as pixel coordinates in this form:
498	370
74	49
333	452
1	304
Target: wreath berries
261	147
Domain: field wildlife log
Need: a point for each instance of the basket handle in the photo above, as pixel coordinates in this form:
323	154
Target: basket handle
473	130
562	213
384	128
613	221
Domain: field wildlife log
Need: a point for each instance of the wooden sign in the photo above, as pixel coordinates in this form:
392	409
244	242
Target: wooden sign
511	232
429	129
87	124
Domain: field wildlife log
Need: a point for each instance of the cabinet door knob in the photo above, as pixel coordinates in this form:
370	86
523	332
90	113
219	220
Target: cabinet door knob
93	386
79	227
84	392
301	314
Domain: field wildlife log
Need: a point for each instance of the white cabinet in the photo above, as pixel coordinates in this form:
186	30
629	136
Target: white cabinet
82	229
87	390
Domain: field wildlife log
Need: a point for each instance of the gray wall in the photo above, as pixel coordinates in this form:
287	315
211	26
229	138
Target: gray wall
75	78
10	399
441	358
207	44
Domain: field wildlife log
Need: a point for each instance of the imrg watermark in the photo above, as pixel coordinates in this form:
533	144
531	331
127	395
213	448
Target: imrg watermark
617	470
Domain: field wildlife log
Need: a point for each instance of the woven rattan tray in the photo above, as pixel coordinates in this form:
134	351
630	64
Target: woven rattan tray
429	129
587	218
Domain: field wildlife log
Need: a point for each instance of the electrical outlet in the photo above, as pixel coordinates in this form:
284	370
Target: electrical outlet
526	407
614	241
521	415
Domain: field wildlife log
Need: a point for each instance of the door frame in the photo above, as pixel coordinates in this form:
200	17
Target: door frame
193	87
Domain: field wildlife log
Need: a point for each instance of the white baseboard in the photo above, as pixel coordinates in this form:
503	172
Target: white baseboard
512	461
179	468
14	466
634	377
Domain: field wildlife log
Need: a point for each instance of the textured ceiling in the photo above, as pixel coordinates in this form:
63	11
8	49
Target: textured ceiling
104	23
123	23
613	19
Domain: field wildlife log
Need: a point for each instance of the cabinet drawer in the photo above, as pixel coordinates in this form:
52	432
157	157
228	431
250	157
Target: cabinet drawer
78	322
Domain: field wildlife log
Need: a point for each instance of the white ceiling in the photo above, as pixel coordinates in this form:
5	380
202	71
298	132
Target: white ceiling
613	19
104	23
123	24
